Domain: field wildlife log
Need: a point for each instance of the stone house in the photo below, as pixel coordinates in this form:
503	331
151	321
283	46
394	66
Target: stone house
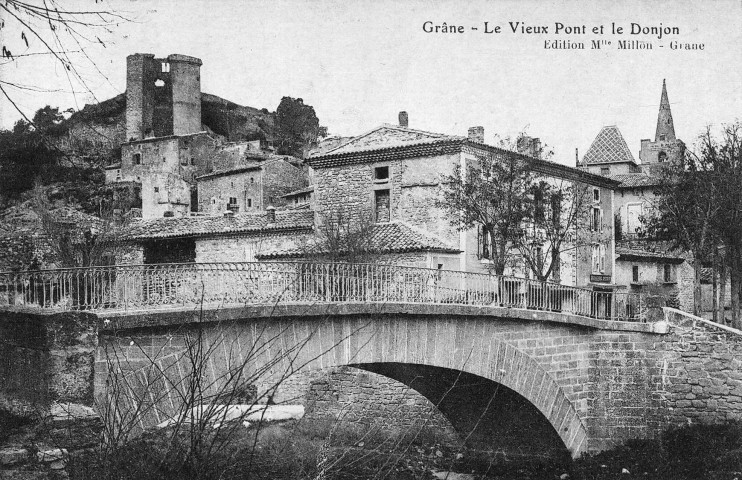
393	175
251	186
656	273
226	238
643	264
301	198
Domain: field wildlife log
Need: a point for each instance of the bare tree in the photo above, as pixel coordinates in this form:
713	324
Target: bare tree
557	225
35	32
78	240
490	194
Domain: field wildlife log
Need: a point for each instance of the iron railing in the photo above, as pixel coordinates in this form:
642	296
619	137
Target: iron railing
142	287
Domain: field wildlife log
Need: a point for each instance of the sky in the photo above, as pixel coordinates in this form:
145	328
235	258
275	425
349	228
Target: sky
359	63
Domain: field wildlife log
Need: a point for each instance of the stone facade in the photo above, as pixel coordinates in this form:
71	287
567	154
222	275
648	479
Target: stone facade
252	187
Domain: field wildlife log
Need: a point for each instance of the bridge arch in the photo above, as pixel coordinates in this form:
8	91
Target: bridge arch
490	358
474	345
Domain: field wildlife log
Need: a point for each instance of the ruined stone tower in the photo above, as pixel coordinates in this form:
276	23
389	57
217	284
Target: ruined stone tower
666	147
163	96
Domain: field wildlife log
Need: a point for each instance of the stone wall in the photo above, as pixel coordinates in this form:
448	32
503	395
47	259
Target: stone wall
244	248
46	358
365	401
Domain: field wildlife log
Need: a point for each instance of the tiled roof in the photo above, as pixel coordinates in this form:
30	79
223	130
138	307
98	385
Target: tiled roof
387	142
228	171
608	147
213	226
308	189
387	136
424	148
647	256
633	180
376	146
395	237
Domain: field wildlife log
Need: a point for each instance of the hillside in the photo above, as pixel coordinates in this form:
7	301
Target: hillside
96	132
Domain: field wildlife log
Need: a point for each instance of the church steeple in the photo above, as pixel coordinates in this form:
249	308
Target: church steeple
665	128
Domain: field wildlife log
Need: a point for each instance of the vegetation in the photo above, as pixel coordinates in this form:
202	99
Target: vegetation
297	127
699	207
515	210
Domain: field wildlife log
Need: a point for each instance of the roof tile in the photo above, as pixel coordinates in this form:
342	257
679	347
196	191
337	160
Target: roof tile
395	237
180	227
608	147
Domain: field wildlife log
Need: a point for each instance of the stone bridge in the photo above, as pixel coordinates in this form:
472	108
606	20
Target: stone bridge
593	382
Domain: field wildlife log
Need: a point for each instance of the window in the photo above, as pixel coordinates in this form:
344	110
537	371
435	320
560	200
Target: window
635	273
159	83
538	205
556	208
184	161
193	161
605	170
165	67
381	174
602	258
249	202
483	243
598	261
661	157
136	159
596	221
668	273
232	205
596	194
157	189
662	137
381	205
252	180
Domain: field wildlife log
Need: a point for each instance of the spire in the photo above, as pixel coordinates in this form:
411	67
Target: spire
665	128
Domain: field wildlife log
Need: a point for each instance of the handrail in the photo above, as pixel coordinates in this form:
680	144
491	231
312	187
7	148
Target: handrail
143	287
668	310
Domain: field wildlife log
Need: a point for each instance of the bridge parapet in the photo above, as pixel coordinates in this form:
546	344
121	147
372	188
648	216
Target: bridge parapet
145	287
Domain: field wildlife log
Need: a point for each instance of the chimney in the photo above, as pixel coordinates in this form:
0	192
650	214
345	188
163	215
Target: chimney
536	148
476	134
228	214
523	144
271	214
404	120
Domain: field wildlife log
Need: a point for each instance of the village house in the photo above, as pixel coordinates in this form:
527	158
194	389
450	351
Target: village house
392	176
225	238
172	167
250	186
643	264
